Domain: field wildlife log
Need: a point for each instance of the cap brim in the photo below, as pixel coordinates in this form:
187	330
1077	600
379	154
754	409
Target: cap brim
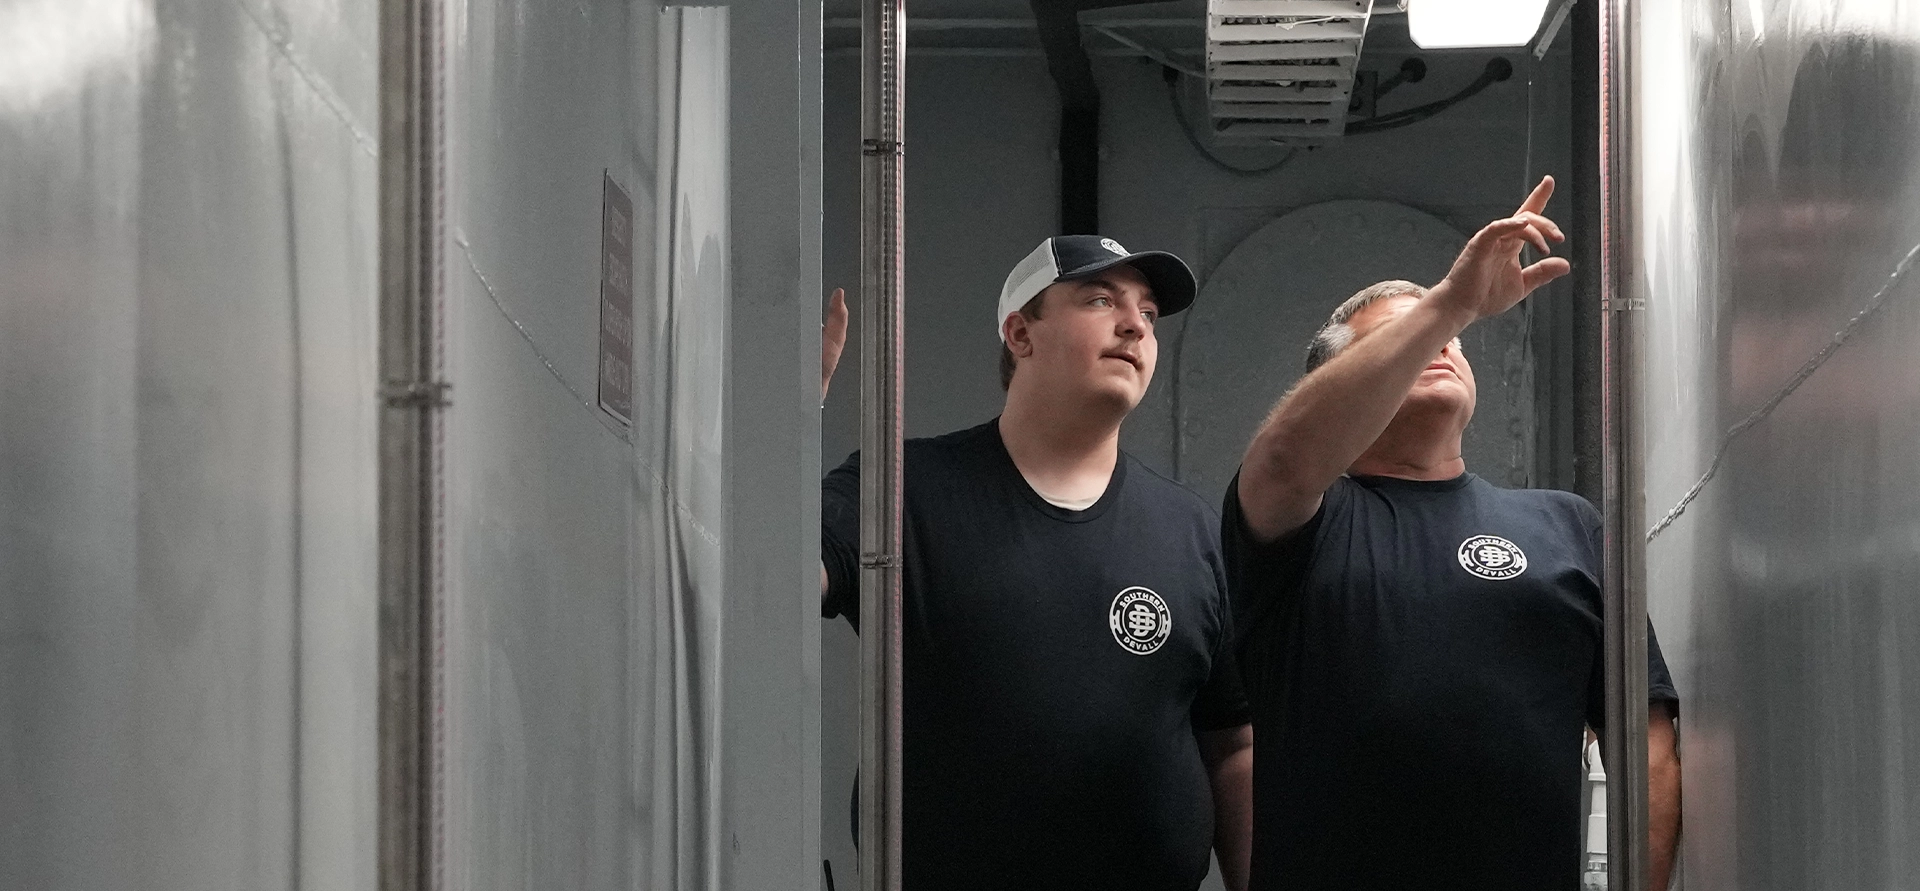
1172	282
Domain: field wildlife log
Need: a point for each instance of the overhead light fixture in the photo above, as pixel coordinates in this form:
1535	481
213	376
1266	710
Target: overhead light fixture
1455	24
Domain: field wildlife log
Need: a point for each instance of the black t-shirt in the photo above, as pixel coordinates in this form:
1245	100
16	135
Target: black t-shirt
1057	666
1421	659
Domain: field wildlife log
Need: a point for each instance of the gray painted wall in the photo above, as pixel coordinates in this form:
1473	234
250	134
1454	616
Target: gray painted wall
772	673
981	192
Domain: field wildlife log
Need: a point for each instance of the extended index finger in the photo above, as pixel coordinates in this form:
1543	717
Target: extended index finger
1537	201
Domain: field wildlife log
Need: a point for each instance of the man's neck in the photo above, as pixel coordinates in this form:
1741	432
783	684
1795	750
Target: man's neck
1061	453
1414	449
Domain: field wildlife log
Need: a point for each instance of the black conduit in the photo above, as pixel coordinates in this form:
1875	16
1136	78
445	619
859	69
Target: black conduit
1058	22
1585	211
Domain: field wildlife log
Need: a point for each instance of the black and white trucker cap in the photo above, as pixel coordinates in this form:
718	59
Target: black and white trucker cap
1065	258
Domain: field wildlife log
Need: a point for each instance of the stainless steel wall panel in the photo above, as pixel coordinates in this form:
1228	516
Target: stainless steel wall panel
1778	179
539	758
682	337
631	701
543	486
187	448
188	392
67	335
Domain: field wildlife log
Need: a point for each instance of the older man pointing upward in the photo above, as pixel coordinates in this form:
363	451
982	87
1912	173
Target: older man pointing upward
1420	648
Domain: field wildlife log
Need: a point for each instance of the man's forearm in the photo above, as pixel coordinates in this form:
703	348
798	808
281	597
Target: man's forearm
1663	796
1229	757
1319	429
1663	799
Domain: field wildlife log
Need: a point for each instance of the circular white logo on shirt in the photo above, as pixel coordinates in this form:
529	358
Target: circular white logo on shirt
1492	557
1140	621
1113	246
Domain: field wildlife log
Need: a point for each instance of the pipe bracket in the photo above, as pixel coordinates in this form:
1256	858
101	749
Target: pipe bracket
416	394
882	147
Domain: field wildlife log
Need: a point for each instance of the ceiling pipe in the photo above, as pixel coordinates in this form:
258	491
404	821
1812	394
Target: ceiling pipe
1058	24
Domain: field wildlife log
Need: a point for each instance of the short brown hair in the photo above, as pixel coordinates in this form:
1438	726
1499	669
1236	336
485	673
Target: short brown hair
1031	311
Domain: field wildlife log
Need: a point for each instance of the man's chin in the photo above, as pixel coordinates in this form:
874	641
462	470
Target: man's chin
1116	397
1448	397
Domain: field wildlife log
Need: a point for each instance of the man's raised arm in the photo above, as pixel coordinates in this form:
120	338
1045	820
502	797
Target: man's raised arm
1326	422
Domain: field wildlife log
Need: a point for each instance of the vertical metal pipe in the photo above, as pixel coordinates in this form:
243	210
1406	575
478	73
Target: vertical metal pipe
1624	638
412	396
883	52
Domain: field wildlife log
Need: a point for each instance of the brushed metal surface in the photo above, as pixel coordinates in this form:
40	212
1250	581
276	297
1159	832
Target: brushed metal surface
560	556
883	248
1623	585
189	395
187	444
1776	195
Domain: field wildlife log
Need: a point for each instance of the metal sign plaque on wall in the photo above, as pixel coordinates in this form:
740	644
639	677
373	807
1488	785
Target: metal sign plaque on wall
616	301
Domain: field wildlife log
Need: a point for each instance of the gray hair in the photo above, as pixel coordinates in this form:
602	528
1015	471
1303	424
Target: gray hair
1337	333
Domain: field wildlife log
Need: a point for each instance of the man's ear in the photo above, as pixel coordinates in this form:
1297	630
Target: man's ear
1018	331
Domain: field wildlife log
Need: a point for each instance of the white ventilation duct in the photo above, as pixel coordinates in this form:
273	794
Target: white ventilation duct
1282	69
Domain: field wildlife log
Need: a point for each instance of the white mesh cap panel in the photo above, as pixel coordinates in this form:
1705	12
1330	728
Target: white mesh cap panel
1029	277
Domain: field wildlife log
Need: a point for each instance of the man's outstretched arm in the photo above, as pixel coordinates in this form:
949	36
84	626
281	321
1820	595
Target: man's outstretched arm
1317	431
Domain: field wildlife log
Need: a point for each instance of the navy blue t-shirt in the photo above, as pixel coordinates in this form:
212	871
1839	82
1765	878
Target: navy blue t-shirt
1422	659
1057	666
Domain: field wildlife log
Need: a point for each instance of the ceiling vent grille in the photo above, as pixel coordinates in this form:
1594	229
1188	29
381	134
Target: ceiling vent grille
1282	69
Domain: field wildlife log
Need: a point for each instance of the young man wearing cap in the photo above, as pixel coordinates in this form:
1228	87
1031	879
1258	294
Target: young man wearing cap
1073	718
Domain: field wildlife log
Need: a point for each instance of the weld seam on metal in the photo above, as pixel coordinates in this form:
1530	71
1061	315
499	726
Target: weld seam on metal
1872	307
593	406
284	45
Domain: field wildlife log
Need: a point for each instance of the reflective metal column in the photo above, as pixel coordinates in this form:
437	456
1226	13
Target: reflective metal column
882	286
1624	640
413	393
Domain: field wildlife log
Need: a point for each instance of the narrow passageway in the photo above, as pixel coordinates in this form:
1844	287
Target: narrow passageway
414	475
